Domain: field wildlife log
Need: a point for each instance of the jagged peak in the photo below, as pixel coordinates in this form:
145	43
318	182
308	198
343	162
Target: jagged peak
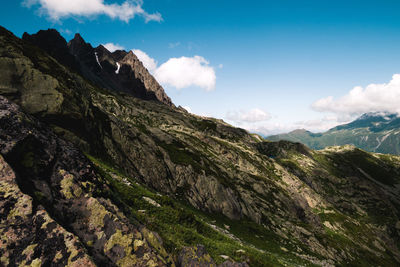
119	54
46	38
78	38
103	49
78	42
48	32
100	65
130	55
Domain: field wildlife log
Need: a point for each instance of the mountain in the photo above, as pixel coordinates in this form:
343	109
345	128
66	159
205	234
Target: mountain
374	132
96	174
119	71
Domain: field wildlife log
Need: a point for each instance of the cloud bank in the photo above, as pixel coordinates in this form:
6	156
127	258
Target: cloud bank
113	47
373	98
60	9
249	116
180	72
149	63
259	121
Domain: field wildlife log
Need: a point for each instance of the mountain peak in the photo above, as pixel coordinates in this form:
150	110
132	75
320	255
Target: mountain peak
78	38
100	66
78	46
46	38
299	131
376	114
102	48
53	43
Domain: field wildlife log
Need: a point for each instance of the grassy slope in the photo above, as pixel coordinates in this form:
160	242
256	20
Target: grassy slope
180	225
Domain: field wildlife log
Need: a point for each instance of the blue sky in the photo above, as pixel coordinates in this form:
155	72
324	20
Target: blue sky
275	63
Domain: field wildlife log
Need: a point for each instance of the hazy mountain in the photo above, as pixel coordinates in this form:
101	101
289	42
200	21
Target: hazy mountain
375	132
95	172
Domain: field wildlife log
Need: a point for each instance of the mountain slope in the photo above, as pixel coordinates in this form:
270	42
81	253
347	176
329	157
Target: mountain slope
53	203
373	132
118	71
197	180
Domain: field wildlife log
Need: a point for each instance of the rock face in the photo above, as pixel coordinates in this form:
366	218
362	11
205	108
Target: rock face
56	188
119	71
278	204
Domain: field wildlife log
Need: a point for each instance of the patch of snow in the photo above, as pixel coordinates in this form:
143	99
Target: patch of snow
97	59
364	138
381	141
118	67
386	136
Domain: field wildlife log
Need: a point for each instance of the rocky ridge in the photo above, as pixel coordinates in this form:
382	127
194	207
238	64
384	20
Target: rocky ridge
119	71
282	202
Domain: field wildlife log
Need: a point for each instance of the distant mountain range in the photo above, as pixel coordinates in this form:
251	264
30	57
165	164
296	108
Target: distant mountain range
375	132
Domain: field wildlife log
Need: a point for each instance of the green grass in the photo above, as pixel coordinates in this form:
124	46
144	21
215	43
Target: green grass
204	125
181	225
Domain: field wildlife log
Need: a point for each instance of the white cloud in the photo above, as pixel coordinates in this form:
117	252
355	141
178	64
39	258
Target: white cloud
373	98
59	9
276	127
149	63
180	72
265	124
324	123
250	116
113	47
187	71
188	109
269	128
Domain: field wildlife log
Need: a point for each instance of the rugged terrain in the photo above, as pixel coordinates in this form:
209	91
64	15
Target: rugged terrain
107	171
374	132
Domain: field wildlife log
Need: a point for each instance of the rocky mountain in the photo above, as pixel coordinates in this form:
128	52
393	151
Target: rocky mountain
92	173
374	132
120	71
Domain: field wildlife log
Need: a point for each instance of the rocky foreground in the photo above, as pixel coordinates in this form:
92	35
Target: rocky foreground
104	170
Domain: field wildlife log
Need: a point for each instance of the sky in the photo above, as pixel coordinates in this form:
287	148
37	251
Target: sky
267	66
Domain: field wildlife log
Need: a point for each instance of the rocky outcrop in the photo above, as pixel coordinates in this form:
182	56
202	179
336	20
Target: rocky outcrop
47	186
130	66
28	234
